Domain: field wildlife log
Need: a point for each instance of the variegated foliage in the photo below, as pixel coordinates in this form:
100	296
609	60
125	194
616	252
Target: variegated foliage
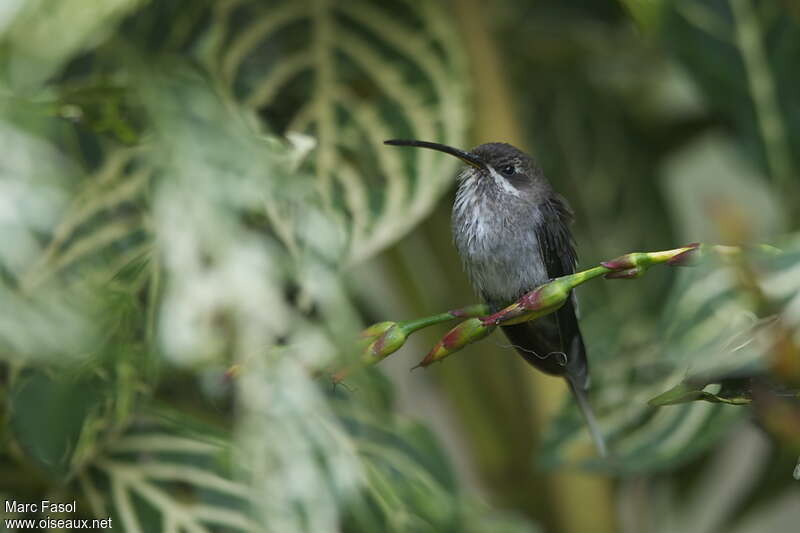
351	74
720	188
156	479
710	331
740	53
209	241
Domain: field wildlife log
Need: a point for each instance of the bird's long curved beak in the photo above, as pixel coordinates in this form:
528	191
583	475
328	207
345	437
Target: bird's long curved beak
468	158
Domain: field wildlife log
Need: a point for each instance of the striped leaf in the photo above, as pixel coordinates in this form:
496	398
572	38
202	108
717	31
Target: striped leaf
710	330
351	74
741	55
42	35
160	478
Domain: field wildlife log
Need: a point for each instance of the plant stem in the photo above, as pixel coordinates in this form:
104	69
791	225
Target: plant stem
476	310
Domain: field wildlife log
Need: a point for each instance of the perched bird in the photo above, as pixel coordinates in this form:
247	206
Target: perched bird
511	230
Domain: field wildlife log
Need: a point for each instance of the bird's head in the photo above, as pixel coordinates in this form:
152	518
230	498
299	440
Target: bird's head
511	169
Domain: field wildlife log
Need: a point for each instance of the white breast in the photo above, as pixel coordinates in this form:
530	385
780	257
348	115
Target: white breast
500	252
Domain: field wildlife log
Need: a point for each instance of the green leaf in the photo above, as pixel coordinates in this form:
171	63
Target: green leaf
161	476
228	194
712	325
41	35
102	107
351	74
718	196
100	231
409	482
709	331
646	13
48	416
680	393
689	391
37	183
741	53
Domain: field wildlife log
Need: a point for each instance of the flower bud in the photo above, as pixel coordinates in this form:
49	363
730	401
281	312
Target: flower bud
390	339
687	257
467	332
377	341
376	329
623	262
628	273
549	296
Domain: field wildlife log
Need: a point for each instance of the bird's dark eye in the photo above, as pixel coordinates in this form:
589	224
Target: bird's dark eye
507	170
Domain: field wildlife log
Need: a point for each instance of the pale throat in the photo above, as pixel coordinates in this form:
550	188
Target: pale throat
503	183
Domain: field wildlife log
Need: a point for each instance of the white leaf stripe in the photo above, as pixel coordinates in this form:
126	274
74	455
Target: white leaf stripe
124	506
322	43
302	120
141	478
164	443
142	252
711	331
225	517
660	429
434	54
265	90
164	471
268	21
86	246
401	461
105	190
762	89
403	40
356	198
124	190
375	130
96	501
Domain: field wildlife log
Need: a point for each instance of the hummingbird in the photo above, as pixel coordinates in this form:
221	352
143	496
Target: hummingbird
512	232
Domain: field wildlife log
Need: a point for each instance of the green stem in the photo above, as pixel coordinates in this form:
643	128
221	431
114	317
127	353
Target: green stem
410	326
581	277
384	338
550	296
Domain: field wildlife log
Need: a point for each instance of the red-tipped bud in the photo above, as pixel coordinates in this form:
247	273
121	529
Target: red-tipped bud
623	262
634	265
467	332
233	372
511	312
386	343
549	296
687	257
377	341
538	302
630	273
376	329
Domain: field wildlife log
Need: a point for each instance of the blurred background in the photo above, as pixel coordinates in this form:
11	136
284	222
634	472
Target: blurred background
198	217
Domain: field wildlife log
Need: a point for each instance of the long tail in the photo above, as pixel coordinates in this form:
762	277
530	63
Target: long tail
588	415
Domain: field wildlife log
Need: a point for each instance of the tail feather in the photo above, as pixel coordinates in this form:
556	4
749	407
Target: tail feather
588	415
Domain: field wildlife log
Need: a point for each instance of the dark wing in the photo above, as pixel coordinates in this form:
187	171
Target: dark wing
554	343
555	238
